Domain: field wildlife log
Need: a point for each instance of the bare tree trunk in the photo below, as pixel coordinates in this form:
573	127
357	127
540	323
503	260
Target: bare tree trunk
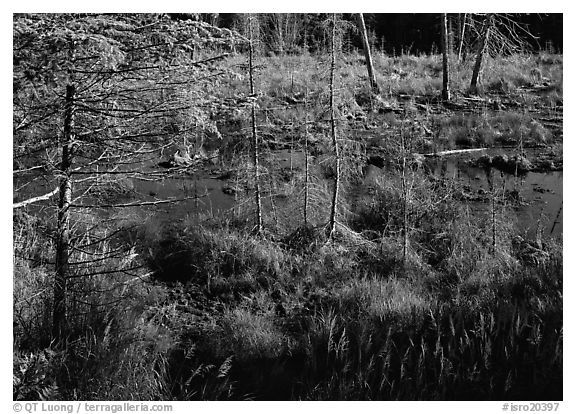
461	34
306	50
306	172
255	149
405	199
278	20
272	205
196	201
450	36
367	54
334	207
458	32
481	50
493	247
63	232
445	59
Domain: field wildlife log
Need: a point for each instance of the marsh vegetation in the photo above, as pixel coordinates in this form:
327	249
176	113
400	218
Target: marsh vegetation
233	224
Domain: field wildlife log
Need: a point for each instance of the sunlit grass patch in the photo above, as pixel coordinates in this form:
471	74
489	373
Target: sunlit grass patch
387	298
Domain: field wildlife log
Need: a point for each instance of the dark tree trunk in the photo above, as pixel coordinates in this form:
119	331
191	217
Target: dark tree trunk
63	231
476	74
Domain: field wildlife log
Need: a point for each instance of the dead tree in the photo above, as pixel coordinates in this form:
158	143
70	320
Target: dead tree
405	197
63	226
482	46
367	54
306	161
461	34
445	59
500	34
335	193
255	149
115	99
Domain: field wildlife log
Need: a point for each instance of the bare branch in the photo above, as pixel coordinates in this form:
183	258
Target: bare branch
35	199
37	167
138	204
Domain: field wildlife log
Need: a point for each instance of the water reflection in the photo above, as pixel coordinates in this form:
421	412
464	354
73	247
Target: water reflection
541	193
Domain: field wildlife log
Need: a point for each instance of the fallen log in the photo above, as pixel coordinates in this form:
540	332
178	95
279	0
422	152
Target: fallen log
450	152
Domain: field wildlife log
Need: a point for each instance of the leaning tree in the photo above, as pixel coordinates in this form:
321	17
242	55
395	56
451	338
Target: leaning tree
367	53
496	34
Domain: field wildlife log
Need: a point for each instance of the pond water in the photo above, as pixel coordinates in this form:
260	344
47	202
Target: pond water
212	193
540	193
207	194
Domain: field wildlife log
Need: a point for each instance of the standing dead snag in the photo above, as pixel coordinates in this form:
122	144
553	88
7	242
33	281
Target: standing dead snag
405	198
493	220
482	46
334	206
461	33
63	229
255	149
367	54
445	58
306	166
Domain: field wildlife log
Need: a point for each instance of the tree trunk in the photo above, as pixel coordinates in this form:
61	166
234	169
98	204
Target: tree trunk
367	54
481	50
63	232
450	36
255	149
493	247
306	172
461	34
334	207
445	59
405	197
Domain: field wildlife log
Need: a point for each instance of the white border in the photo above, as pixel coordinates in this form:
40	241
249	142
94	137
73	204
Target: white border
311	7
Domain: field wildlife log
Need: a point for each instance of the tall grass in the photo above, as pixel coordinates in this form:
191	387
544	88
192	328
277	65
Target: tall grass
116	342
331	325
